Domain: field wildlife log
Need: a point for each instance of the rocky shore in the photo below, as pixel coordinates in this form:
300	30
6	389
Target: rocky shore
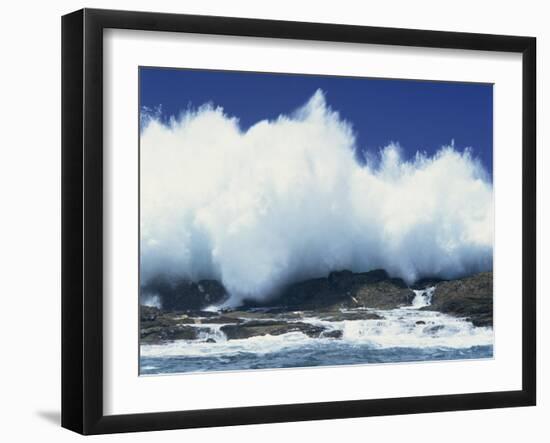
470	297
342	295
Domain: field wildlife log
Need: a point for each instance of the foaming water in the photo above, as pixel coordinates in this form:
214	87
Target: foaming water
400	328
287	200
211	333
404	328
422	297
404	334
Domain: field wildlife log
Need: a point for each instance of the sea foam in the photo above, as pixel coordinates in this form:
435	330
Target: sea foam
400	328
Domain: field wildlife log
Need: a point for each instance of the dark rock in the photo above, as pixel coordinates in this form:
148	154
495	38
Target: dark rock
340	280
180	295
166	320
374	289
335	333
197	313
469	297
160	334
482	319
388	294
222	319
426	283
433	329
338	315
273	327
420	322
148	313
243	314
210	340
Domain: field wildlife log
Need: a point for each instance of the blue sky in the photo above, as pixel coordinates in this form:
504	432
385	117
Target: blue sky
419	115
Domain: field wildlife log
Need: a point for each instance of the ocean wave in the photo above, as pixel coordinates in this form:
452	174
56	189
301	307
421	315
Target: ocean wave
287	200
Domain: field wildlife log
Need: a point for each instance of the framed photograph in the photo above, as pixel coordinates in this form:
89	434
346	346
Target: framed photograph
269	221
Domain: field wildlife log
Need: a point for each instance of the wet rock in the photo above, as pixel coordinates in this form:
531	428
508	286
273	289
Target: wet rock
374	289
433	329
387	294
162	319
148	313
348	315
245	314
469	297
197	313
420	322
181	294
482	319
273	327
222	319
157	326
339	280
426	283
161	334
335	333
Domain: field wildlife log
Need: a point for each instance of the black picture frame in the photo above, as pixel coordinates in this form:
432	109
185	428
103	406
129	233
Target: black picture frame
82	220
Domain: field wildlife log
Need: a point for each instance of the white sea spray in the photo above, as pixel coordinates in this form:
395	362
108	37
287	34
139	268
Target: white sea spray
286	200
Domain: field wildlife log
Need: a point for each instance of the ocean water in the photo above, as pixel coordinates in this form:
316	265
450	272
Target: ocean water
332	354
406	334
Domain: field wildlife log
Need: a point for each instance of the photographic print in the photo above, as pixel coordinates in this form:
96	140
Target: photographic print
291	220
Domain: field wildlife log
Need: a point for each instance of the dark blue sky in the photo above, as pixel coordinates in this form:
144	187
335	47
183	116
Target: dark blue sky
419	115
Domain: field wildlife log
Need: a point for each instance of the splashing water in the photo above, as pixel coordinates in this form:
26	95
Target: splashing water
404	334
422	297
287	200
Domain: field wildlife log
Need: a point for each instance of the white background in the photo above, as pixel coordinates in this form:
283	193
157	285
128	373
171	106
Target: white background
30	219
